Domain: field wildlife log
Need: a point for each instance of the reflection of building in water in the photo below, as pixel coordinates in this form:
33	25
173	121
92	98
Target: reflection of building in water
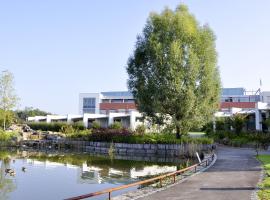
106	173
89	175
151	171
96	175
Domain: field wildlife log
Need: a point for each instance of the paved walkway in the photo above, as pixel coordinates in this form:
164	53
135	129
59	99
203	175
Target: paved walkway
234	176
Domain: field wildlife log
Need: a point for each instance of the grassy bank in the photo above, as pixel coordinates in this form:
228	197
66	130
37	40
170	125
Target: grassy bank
264	193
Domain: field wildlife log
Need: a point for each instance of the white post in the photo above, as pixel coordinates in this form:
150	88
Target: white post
85	120
258	120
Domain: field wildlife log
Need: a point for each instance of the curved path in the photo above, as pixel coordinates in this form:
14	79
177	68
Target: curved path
234	176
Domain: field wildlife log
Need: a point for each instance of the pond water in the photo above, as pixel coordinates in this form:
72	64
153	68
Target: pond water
58	175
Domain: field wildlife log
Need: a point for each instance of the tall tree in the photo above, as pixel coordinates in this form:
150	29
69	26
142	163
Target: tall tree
8	97
173	71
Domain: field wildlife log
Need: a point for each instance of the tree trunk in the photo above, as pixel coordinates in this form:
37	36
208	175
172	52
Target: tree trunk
178	132
4	124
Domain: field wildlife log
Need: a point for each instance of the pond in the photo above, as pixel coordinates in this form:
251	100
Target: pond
59	175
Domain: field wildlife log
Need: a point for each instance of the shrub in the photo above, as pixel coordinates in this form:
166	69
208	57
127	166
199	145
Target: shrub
140	130
82	135
67	129
116	125
95	125
238	122
7	136
108	135
78	126
54	126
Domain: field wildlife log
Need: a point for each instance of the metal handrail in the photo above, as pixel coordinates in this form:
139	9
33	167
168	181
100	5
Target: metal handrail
159	178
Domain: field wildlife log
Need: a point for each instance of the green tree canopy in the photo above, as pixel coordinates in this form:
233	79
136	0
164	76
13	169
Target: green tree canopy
173	71
30	112
8	97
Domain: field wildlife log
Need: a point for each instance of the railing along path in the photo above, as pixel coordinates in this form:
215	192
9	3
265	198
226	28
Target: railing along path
151	180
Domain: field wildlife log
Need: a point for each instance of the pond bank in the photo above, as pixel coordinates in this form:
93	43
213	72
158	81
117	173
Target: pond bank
123	149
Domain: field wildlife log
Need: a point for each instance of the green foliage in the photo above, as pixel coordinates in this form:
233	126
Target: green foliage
56	126
264	193
7	136
238	122
140	129
8	98
267	123
173	71
116	125
44	126
161	139
6	117
30	112
67	129
80	135
78	126
95	125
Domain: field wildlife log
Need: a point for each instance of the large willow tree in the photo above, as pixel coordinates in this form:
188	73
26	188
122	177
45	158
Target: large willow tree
173	71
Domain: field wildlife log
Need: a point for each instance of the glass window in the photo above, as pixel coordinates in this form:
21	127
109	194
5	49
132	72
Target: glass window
89	103
117	101
105	100
129	101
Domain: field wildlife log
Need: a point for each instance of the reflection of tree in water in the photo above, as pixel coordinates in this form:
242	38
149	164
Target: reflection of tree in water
7	184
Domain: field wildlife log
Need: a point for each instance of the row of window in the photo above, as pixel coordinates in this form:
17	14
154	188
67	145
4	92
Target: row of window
118	101
241	99
89	103
116	111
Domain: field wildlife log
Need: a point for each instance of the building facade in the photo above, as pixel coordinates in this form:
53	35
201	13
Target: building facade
106	102
109	107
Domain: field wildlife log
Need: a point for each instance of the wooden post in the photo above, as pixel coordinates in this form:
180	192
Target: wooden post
195	169
174	178
109	195
160	182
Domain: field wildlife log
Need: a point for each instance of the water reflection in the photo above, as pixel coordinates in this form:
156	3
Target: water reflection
61	175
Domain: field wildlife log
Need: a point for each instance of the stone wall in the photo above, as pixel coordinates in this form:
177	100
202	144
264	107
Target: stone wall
123	149
162	150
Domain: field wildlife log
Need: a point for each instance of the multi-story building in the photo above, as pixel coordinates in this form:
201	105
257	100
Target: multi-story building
238	98
108	107
106	102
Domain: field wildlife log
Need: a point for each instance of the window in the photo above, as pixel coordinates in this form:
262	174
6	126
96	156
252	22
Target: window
117	101
129	101
105	100
89	105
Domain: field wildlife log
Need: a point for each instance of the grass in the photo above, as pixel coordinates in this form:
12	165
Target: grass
264	193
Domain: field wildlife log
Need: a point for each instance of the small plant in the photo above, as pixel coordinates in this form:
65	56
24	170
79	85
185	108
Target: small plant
116	126
95	125
67	129
140	130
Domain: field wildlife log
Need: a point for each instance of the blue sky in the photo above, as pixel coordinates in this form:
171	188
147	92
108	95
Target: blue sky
59	48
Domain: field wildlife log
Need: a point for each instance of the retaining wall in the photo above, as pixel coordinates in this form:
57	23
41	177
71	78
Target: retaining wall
161	150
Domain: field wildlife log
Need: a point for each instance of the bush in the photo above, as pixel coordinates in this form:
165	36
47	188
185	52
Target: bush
54	126
125	136
95	125
7	136
108	135
67	129
140	130
78	126
116	125
82	135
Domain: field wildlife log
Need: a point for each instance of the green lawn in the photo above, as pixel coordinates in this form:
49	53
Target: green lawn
264	194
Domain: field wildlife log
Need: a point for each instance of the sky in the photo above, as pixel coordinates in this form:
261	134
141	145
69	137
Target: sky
57	49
